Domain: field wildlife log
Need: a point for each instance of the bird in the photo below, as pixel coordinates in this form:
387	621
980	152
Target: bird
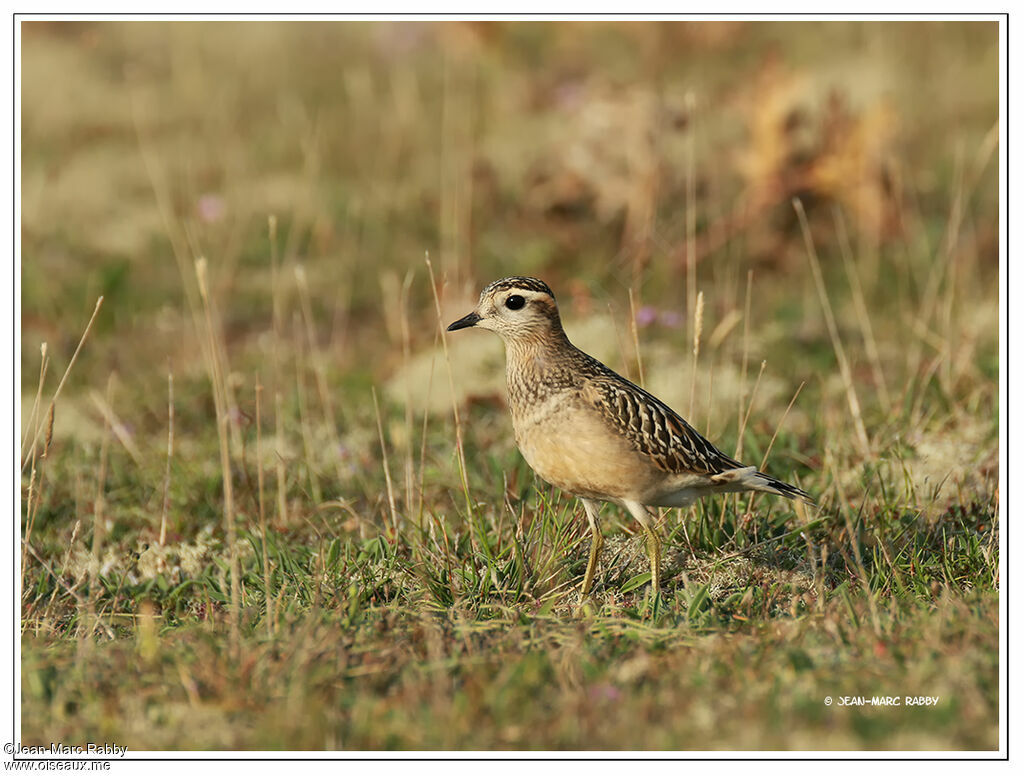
592	433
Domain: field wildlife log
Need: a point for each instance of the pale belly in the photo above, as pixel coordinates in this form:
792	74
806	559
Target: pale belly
576	452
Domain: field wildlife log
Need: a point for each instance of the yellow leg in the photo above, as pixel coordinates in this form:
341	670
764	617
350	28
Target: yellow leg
596	542
654	552
639	511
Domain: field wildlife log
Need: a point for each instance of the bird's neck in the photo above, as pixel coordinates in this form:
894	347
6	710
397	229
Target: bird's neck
537	367
538	352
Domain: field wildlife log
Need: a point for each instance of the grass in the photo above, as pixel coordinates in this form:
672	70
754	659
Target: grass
274	507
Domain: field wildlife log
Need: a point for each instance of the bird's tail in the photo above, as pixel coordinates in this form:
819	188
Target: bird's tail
749	478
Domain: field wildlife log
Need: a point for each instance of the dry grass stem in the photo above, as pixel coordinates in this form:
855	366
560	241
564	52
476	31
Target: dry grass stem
750	407
269	615
636	338
782	421
318	360
459	443
860	306
698	323
217	383
384	462
64	377
405	335
30	424
99	526
833	331
690	104
279	470
746	356
117	427
305	422
166	501
423	437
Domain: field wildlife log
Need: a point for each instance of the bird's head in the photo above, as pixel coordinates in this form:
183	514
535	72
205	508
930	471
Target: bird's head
517	308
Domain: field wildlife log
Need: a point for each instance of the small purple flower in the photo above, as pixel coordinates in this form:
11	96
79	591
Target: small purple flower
211	208
605	692
646	315
569	95
400	39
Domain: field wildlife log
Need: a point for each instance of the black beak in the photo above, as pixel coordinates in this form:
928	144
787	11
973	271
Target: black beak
464	323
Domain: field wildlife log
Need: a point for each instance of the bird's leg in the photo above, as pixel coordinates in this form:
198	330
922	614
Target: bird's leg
596	542
640	512
654	551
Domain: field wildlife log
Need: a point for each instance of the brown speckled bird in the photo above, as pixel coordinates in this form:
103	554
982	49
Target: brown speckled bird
593	433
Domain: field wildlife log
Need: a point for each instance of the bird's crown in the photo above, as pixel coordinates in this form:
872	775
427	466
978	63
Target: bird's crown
518	283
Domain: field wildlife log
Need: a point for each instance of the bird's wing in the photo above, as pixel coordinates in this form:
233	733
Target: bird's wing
653	428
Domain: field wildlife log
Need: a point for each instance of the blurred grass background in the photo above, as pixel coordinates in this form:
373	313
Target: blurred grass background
632	165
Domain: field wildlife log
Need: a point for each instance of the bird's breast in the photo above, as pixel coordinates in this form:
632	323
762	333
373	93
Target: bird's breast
568	445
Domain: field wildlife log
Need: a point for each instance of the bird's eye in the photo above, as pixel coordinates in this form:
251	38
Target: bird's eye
515	302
